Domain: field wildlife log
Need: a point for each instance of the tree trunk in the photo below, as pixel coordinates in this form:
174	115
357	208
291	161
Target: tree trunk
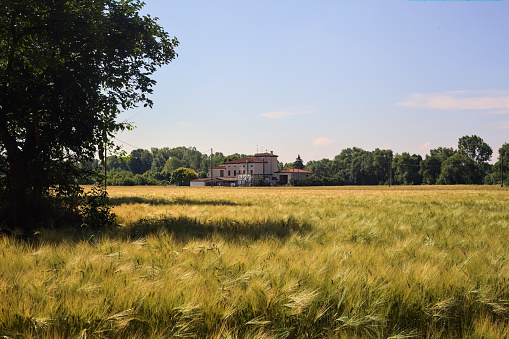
21	210
24	187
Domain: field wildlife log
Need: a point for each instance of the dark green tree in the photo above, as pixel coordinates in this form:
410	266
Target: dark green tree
431	166
116	162
172	164
475	148
382	160
500	167
459	169
159	156
140	161
298	163
343	165
406	169
231	157
67	69
320	168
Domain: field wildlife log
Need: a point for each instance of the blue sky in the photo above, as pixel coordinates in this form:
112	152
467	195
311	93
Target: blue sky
314	77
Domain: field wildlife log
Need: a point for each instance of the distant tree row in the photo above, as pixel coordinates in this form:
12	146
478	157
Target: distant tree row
159	166
468	164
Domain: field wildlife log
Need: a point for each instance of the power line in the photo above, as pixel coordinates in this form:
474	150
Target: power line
127	143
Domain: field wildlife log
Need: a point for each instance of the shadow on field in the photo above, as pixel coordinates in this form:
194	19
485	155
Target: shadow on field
181	229
116	201
184	229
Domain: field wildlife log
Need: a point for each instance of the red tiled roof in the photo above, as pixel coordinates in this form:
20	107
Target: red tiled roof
201	180
244	160
265	155
294	170
218	167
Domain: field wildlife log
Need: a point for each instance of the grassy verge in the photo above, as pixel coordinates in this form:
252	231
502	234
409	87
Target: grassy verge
366	262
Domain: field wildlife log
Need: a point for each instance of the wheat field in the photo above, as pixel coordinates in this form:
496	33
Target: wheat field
335	262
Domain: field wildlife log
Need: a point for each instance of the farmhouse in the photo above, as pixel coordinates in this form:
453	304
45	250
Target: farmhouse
244	171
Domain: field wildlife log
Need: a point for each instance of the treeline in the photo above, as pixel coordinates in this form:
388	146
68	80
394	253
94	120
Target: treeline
159	166
468	164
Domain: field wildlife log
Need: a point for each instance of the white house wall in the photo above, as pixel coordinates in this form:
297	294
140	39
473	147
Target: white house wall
266	167
233	170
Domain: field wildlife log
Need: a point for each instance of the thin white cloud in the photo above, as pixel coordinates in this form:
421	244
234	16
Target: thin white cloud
282	114
183	123
425	146
493	102
501	125
322	141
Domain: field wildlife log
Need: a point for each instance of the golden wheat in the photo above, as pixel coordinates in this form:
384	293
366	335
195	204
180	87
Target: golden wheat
398	262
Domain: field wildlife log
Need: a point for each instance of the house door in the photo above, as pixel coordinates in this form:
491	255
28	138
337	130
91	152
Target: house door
283	179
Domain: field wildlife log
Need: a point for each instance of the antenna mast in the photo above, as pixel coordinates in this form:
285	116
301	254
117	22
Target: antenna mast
211	155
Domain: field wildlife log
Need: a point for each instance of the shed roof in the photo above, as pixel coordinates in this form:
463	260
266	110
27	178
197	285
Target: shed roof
201	180
231	179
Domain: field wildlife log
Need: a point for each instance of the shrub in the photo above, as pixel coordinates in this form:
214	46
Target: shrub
260	182
317	181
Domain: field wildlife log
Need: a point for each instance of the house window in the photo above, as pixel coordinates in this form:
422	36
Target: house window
244	172
251	171
228	173
221	173
234	173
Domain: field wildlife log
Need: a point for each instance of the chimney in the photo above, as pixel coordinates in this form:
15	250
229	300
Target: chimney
272	152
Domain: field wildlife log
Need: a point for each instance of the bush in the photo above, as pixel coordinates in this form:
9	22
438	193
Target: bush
182	176
261	182
96	209
317	181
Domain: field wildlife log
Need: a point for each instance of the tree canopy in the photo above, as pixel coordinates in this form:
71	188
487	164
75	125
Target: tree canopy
67	69
475	148
353	166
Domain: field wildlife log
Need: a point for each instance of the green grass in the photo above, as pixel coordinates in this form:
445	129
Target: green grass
352	262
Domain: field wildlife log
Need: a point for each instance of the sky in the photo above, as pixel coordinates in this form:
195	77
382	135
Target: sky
313	77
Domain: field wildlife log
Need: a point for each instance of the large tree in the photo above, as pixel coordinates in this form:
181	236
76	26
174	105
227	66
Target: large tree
140	161
459	169
475	148
500	168
406	169
67	69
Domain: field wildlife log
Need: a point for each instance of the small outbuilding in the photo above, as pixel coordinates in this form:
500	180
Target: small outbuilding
286	175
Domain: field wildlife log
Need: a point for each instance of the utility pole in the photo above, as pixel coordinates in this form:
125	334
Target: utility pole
105	160
293	172
211	163
390	172
502	169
